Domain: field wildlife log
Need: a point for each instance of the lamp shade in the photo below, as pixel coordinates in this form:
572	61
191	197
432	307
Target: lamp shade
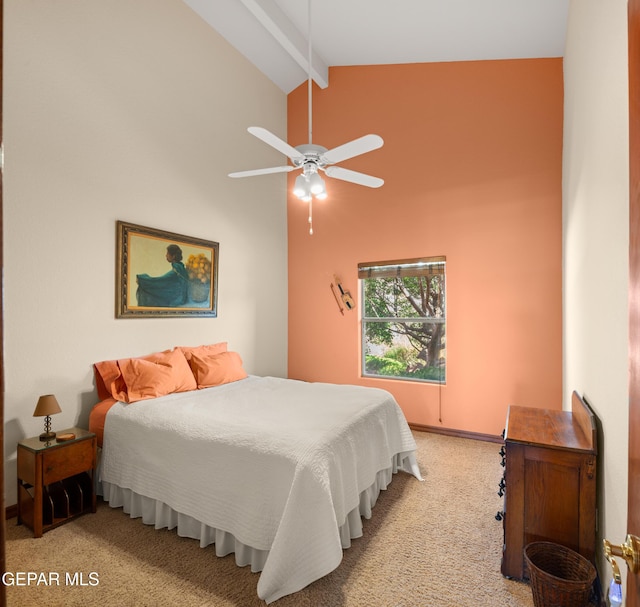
316	184
301	187
47	405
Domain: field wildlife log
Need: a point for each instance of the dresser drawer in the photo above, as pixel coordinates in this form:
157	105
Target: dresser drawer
58	464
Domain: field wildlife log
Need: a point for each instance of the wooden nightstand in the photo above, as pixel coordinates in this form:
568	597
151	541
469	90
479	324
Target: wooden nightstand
56	480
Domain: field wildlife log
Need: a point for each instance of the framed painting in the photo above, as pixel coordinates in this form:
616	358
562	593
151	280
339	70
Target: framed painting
161	274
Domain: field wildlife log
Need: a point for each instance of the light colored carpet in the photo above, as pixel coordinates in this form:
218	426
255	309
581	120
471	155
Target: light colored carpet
429	544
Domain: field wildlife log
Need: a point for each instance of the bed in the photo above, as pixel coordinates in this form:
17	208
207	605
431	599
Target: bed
279	472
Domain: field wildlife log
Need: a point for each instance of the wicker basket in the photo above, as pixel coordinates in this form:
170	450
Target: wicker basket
559	576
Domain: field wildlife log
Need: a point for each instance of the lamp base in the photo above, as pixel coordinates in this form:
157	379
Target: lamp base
47	436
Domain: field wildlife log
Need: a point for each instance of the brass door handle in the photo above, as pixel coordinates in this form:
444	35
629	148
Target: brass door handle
629	551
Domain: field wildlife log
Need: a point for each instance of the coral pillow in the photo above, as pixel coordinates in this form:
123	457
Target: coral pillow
109	382
204	350
156	375
216	369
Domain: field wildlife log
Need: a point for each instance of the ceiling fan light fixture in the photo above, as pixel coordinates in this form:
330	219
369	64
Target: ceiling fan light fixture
316	185
312	158
301	187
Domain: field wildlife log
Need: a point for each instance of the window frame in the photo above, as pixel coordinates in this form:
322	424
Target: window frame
419	267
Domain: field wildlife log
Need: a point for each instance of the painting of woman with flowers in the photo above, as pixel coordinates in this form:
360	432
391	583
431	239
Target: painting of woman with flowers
147	287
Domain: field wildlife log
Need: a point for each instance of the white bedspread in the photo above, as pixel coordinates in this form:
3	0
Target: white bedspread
277	463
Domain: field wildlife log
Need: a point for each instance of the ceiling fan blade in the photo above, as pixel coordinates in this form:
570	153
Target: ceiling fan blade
354	177
362	145
275	142
251	173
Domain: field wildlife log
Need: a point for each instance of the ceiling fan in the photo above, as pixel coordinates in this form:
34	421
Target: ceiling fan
312	158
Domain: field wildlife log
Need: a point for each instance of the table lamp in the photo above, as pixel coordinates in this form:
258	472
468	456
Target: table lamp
47	406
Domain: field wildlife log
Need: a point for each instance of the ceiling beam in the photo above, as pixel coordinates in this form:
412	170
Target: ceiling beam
289	38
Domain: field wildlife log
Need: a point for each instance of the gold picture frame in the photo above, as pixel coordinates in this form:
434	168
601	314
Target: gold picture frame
161	274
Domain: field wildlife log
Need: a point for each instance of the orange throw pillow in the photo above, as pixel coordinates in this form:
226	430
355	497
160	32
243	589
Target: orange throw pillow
217	369
156	375
109	381
203	350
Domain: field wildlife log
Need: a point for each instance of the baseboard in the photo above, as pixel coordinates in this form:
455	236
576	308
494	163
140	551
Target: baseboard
11	511
491	438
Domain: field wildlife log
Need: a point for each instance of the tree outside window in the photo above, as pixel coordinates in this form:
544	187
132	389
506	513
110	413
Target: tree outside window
404	319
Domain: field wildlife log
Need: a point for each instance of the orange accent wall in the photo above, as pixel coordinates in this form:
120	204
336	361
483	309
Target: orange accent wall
472	163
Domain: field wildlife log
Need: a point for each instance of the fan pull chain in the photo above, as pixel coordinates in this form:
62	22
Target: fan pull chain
311	216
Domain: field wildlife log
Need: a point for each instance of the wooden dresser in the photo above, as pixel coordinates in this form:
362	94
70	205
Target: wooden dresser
549	485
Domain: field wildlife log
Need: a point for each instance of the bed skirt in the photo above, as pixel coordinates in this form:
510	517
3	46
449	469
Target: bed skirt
160	515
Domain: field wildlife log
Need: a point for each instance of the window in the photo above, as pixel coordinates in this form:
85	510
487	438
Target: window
404	319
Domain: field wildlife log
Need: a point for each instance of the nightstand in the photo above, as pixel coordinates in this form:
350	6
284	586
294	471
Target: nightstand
56	480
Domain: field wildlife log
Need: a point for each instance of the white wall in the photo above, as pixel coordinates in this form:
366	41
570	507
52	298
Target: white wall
133	111
596	238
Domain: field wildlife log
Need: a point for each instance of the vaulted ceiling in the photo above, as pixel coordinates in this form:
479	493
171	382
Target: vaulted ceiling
273	34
